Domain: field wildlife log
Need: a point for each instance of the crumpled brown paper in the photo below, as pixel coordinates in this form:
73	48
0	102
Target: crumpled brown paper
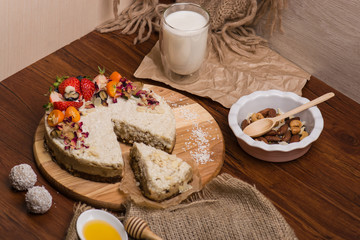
129	187
237	76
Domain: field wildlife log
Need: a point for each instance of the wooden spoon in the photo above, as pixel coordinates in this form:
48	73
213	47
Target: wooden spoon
139	229
262	126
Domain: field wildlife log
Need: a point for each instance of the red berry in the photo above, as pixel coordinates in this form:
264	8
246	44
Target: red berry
62	106
71	81
56	97
87	89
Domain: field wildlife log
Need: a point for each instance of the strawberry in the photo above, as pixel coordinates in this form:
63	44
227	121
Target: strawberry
56	97
71	81
87	89
100	80
62	106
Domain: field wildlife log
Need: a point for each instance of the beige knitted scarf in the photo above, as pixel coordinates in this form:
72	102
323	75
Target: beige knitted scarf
232	21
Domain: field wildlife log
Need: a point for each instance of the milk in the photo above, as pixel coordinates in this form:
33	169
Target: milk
184	41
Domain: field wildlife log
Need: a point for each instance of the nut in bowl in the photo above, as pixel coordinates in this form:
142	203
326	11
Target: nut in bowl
283	101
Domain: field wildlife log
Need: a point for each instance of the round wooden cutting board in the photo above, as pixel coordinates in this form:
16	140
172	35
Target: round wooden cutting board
197	134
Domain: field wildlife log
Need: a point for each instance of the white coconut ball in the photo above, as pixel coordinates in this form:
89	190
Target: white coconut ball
38	200
22	177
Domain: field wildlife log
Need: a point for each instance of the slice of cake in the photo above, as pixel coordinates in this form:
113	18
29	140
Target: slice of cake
161	175
153	126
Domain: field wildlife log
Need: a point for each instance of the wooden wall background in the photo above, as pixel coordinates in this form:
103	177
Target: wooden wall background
321	36
32	29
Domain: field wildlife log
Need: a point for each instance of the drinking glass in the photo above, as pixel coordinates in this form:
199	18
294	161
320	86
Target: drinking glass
184	41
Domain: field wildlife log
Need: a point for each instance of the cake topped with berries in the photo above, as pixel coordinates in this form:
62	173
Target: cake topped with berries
86	118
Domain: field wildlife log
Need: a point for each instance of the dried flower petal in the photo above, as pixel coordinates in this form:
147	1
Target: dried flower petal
72	134
89	106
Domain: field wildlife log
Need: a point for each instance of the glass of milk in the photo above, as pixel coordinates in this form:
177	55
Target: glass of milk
184	41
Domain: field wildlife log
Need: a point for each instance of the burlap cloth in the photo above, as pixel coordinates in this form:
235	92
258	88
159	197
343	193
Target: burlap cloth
226	208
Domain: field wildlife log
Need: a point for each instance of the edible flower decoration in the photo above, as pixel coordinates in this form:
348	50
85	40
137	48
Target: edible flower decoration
126	88
147	99
68	96
72	134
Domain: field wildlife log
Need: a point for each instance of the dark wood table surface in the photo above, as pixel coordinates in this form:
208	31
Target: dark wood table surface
318	194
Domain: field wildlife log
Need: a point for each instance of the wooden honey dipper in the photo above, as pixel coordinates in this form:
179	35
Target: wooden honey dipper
139	229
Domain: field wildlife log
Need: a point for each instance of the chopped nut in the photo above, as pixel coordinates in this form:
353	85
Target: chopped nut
75	126
268	112
295	138
292	119
282	130
256	116
97	102
244	124
104	103
261	139
141	108
272	113
55	133
272	138
137	87
89	105
271	133
103	95
295	123
304	135
265	112
287	136
71	96
295	130
69	135
295	126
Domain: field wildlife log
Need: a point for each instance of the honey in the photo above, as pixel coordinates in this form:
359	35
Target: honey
98	229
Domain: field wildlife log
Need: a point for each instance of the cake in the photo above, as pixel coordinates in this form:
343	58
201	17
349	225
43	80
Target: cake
86	119
161	175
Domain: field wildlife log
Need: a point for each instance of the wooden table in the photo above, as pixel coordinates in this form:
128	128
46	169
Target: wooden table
318	194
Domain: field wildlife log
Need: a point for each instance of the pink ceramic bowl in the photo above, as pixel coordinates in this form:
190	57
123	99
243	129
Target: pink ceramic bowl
285	101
